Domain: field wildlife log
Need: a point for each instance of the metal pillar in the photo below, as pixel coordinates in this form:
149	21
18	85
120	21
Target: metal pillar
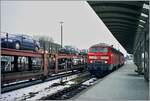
16	63
61	34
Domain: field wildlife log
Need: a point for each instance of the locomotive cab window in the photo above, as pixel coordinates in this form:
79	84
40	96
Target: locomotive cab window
94	49
103	49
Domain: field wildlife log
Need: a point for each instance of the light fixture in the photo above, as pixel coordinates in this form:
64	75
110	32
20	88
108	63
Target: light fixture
142	21
144	15
141	26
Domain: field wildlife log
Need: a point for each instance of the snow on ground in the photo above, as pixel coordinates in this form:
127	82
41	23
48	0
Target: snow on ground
42	93
62	73
15	82
89	82
70	83
36	91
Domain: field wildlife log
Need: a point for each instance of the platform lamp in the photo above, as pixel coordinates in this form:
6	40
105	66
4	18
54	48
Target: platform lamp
61	24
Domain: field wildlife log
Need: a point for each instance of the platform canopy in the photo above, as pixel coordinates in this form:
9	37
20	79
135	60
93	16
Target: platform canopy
123	19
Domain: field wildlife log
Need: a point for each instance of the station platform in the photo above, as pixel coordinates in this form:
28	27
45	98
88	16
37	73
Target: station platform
122	84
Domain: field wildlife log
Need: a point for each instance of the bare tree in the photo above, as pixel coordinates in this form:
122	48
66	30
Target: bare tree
44	38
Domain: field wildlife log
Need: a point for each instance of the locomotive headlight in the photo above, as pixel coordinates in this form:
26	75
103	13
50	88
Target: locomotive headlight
104	57
92	57
91	61
106	62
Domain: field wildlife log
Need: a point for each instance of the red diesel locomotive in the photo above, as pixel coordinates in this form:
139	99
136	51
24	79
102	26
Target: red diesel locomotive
103	58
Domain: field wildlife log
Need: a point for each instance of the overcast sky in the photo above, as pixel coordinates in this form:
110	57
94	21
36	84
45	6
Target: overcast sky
82	27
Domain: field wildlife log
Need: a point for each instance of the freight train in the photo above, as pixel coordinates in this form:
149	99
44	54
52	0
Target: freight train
19	65
103	58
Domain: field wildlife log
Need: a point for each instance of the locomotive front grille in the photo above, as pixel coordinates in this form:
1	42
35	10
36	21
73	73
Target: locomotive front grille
98	65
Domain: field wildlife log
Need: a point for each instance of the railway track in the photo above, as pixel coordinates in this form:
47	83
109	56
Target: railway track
20	85
71	86
75	88
82	82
